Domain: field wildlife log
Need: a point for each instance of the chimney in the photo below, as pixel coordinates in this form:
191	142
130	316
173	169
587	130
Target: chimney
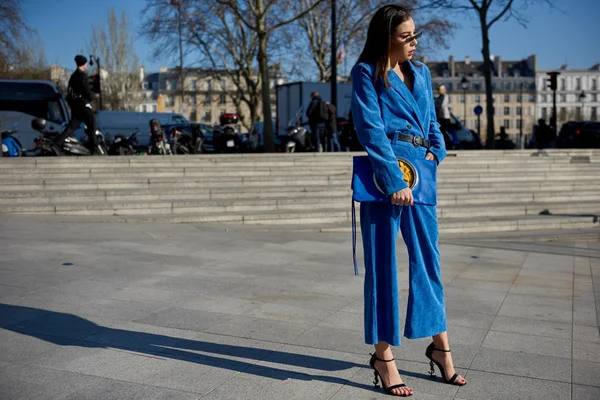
498	66
142	73
467	60
532	63
451	66
564	67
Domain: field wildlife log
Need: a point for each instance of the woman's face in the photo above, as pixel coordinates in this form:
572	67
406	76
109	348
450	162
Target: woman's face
404	41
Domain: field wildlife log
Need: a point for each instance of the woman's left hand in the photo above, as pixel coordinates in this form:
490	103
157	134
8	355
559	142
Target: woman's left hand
430	157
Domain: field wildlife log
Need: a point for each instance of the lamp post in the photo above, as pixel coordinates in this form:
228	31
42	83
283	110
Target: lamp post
464	84
582	97
333	54
177	3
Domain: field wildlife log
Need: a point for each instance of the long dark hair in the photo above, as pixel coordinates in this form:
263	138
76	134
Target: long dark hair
379	36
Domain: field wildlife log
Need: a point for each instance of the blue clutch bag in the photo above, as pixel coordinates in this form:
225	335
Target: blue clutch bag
419	175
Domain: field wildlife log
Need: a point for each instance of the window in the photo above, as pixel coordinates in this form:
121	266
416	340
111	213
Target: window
477	87
193	116
193	99
171	84
207	116
207	98
517	73
224	84
145	85
577	83
563	114
194	84
594	97
506	124
208	85
144	108
154	108
507	98
477	98
170	101
519	111
544	113
446	74
563	98
519	98
154	85
222	99
449	86
563	84
450	99
578	113
506	110
507	85
519	123
594	116
532	98
594	84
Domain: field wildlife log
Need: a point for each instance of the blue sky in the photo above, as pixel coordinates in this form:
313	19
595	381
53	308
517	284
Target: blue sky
569	35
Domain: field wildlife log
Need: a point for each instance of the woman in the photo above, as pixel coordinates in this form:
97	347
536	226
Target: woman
394	115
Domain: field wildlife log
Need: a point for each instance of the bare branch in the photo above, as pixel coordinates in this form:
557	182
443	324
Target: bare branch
501	14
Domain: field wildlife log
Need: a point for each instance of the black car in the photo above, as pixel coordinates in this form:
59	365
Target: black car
579	135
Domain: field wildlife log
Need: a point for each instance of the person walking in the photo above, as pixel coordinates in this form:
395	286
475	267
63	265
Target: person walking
442	110
317	117
394	115
79	98
333	140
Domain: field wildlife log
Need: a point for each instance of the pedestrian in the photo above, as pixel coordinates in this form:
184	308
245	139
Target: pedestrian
543	134
79	98
441	108
333	140
317	117
394	114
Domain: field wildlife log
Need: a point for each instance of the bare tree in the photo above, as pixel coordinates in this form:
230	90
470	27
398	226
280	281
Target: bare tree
113	44
12	30
219	40
263	18
488	13
313	31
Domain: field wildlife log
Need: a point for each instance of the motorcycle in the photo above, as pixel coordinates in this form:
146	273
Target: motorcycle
124	146
11	146
158	141
187	140
226	136
45	144
297	138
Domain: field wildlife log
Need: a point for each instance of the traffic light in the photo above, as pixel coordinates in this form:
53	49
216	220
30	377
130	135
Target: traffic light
95	83
553	80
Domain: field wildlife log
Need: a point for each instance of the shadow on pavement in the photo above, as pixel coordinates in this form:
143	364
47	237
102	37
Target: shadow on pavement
71	330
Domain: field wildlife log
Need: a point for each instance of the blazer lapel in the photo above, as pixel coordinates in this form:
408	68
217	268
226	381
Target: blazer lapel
401	88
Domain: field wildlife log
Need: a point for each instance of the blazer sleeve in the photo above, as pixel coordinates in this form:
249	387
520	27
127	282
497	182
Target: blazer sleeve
435	136
369	126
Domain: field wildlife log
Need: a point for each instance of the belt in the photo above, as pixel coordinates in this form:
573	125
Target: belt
415	140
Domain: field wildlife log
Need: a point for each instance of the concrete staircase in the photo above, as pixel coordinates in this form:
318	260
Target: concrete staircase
479	191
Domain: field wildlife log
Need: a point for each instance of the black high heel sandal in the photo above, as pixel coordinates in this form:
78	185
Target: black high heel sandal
429	354
387	390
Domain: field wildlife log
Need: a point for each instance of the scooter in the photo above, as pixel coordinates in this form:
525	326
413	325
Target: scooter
45	144
226	136
297	138
124	146
185	142
11	146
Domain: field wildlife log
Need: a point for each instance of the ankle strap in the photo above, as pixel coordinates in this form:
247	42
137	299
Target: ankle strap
379	359
445	351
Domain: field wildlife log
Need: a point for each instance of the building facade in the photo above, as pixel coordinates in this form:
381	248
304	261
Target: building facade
207	94
514	93
577	94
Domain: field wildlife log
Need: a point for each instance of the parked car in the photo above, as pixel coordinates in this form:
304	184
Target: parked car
23	100
460	138
579	134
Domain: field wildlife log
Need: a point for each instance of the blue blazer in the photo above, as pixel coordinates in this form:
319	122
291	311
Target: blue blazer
378	112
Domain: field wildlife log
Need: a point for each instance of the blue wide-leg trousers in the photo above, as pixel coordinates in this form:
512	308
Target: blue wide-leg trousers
425	315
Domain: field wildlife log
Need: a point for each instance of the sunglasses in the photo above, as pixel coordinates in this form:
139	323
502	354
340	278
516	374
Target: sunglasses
410	39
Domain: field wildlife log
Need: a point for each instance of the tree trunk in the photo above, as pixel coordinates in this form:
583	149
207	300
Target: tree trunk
487	71
265	92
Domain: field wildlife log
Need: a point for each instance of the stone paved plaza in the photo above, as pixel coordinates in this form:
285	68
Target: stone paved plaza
154	311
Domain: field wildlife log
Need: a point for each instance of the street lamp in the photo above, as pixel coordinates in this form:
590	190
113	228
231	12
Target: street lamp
464	84
521	117
582	97
177	3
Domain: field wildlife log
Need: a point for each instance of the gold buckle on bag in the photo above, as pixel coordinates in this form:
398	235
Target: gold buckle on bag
409	173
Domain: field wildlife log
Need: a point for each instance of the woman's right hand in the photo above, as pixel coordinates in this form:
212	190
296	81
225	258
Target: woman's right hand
403	197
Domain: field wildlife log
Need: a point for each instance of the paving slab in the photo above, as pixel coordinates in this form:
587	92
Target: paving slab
154	311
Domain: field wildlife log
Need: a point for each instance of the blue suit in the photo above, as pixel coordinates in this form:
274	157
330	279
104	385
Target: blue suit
380	113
